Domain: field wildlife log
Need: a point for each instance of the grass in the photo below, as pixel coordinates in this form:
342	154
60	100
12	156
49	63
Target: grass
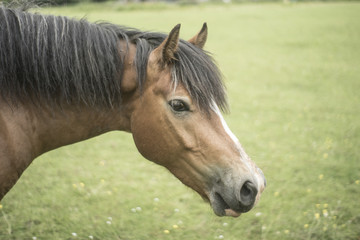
293	79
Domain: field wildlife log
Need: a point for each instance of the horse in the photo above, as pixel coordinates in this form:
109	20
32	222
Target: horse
64	80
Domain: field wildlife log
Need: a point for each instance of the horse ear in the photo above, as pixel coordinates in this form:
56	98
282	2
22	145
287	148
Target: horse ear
167	49
199	39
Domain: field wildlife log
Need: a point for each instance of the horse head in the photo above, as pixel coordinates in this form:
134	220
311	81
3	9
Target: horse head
174	129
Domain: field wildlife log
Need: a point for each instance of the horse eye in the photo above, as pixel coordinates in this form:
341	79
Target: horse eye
178	105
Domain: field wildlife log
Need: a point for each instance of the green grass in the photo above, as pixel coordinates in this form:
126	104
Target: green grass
293	78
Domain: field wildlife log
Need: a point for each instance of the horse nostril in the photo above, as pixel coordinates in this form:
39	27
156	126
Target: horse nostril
248	194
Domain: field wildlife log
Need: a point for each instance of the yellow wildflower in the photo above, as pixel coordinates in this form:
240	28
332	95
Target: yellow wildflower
175	226
166	231
276	194
286	231
74	185
82	184
102	181
357	182
325	212
317	215
1	206
321	176
325	155
317	205
308	190
306	225
326	205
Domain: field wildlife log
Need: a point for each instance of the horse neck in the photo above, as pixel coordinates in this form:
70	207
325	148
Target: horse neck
27	131
30	129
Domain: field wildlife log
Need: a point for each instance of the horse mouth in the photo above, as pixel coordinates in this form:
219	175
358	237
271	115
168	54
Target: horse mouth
220	207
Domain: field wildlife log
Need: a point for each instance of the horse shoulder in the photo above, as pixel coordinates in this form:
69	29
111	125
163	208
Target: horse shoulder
13	157
8	173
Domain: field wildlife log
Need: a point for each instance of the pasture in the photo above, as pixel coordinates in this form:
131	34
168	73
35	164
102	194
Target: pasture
293	79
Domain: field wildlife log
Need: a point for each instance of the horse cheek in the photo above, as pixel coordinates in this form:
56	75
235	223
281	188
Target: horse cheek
147	136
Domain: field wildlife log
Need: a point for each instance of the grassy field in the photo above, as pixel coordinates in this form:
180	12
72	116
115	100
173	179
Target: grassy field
293	78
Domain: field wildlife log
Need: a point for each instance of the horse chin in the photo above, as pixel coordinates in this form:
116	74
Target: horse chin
221	208
232	213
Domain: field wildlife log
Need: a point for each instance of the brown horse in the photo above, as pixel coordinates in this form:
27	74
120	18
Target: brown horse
64	80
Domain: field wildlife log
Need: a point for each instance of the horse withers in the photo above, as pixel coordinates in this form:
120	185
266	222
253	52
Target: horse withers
65	80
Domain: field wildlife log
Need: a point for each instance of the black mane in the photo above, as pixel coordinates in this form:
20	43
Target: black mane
54	59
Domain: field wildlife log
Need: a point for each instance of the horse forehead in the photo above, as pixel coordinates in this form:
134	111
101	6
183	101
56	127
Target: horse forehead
170	87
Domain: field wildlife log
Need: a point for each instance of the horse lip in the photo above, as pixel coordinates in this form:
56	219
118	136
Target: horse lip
220	207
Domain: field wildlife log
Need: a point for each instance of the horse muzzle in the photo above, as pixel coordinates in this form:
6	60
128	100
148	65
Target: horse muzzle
228	200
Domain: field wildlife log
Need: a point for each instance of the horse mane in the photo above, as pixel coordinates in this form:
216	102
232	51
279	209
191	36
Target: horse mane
54	60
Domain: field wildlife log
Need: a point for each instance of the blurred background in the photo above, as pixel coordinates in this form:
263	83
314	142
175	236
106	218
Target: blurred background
292	71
